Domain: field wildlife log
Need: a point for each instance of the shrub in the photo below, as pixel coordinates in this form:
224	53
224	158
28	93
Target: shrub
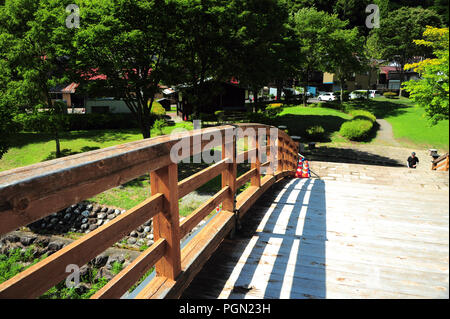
159	125
316	132
362	114
390	95
257	117
274	109
345	95
356	130
220	115
158	109
206	117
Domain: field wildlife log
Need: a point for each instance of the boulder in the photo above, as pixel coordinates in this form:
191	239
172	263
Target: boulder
100	261
101	216
55	245
131	241
27	240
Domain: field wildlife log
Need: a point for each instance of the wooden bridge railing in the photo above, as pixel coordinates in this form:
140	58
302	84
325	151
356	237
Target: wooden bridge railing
30	193
441	163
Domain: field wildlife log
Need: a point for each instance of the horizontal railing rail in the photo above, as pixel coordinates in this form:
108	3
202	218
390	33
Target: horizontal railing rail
441	163
30	193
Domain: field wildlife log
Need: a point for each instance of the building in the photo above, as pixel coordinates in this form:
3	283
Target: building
363	81
225	96
390	78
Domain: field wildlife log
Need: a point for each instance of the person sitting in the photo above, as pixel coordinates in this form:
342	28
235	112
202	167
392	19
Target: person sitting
413	160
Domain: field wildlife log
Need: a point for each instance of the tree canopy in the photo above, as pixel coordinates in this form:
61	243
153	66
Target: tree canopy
432	90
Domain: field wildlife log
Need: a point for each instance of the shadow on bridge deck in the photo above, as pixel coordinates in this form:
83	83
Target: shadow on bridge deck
278	253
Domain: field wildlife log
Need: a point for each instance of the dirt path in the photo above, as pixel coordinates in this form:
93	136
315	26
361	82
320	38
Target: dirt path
385	134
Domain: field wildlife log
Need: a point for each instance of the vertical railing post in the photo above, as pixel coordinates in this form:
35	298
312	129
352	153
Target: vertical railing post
280	154
256	163
166	224
229	174
270	154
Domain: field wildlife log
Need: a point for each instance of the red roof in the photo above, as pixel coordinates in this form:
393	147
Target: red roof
70	88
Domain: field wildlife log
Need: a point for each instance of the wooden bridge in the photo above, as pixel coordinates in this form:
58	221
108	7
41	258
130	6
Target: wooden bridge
356	232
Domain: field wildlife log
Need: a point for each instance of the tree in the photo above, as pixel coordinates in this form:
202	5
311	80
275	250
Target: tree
432	90
258	43
202	41
397	32
33	44
326	45
346	56
313	32
130	46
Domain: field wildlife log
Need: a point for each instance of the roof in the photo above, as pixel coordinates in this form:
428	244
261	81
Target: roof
70	88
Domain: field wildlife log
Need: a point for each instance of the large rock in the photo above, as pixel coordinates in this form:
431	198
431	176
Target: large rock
27	240
55	245
101	216
42	241
131	241
100	261
134	234
12	238
92	227
103	273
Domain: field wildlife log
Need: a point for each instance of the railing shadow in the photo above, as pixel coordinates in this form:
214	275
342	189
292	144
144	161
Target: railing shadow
280	251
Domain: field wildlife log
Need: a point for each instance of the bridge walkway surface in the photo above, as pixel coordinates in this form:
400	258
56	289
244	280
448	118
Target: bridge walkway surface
357	232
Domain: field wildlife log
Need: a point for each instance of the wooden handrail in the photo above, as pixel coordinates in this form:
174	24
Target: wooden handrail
441	163
30	193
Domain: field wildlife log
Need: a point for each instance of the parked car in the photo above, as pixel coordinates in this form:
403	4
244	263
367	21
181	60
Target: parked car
358	94
327	96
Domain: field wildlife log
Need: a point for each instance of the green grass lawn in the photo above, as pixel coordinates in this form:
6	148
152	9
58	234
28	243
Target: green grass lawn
299	118
31	148
412	128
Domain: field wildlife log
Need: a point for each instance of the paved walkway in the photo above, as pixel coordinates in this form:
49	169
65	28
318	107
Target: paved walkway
385	134
359	232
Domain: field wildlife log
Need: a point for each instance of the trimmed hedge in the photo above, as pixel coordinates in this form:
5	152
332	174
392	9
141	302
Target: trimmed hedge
85	122
316	132
158	109
356	130
390	95
274	109
362	114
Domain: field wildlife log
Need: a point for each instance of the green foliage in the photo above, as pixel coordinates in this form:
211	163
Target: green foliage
316	132
432	91
207	117
220	115
13	263
362	114
345	95
116	267
390	95
158	109
131	43
356	130
273	110
79	122
159	125
394	38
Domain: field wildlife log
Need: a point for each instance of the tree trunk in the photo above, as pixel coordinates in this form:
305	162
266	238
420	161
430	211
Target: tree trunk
305	97
279	89
402	76
58	146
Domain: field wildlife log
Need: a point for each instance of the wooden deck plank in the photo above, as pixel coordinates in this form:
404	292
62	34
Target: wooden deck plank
335	239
